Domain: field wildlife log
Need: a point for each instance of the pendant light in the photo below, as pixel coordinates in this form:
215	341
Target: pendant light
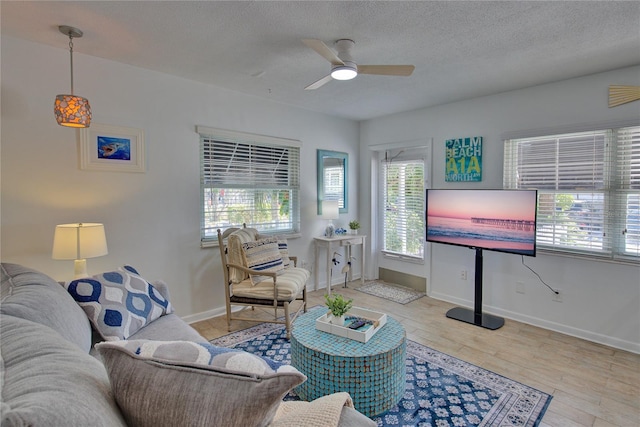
71	110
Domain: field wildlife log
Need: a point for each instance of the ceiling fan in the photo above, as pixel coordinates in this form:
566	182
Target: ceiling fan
344	68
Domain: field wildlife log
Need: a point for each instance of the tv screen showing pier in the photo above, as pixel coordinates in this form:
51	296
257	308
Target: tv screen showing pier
497	220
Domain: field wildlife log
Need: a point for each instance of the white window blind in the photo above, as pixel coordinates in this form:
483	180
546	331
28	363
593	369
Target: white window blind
588	188
627	178
248	179
403	208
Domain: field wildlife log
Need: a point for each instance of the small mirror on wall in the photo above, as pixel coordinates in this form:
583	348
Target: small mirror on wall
333	172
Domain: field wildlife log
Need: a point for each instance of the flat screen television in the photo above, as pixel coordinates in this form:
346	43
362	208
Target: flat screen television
496	220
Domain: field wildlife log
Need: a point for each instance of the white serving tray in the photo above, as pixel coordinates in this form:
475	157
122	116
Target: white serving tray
322	324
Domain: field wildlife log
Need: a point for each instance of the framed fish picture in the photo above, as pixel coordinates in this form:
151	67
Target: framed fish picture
112	148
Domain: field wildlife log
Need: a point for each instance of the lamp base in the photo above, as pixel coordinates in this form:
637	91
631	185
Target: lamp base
80	269
330	231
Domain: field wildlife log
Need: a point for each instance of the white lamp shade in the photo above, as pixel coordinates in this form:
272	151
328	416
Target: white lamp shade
79	241
330	209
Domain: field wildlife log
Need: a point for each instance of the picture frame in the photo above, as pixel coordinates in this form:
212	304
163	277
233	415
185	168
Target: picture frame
112	148
463	159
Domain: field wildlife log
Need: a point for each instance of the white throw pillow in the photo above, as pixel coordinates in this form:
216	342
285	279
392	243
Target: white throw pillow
262	255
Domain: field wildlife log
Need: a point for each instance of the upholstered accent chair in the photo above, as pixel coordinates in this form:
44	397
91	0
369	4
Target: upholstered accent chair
259	272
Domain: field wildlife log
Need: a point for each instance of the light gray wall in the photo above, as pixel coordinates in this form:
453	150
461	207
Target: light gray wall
601	299
152	220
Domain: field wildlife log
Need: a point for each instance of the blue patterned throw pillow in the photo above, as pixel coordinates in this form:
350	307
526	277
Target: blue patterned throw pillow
118	303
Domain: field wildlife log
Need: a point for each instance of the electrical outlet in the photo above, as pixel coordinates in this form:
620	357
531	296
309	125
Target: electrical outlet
520	287
463	274
558	297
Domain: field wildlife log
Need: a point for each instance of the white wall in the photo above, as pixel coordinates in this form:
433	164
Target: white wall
152	219
601	300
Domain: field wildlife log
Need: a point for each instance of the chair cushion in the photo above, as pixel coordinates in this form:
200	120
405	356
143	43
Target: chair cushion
234	251
118	303
290	284
166	328
262	255
165	383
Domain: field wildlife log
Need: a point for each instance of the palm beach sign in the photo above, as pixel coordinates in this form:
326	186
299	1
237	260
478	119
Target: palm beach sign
464	159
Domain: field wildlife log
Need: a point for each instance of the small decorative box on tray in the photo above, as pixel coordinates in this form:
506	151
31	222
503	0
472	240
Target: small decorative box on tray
373	321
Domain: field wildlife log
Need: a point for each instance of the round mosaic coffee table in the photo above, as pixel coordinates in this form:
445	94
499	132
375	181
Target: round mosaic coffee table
373	373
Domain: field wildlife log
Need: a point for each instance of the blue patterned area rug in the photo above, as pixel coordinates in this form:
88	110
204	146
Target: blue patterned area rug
441	390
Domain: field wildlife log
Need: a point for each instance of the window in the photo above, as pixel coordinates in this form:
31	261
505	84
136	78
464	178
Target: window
249	179
403	212
588	190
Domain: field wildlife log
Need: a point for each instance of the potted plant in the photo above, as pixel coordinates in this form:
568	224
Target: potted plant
338	306
354	226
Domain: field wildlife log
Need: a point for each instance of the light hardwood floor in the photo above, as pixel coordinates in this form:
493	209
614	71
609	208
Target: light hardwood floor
591	384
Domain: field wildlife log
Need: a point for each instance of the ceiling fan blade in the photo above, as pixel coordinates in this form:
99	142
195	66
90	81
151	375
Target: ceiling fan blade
323	51
386	70
619	95
321	82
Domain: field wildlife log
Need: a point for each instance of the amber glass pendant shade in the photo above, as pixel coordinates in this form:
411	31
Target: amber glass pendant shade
72	111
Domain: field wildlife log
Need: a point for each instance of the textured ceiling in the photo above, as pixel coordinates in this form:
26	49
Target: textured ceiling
460	49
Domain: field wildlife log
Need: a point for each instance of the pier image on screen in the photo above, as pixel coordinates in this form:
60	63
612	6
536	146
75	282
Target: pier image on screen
499	220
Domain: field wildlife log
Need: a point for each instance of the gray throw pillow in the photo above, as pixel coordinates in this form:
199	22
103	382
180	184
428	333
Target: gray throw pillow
169	383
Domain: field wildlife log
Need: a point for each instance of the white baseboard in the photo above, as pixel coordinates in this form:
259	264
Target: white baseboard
545	324
197	317
335	282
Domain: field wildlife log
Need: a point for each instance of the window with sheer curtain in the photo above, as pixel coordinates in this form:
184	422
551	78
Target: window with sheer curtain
403	209
588	190
251	179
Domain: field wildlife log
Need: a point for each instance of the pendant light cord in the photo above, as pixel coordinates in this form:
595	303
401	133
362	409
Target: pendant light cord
71	59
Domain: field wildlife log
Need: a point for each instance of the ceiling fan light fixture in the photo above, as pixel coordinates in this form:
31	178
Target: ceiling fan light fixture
344	72
343	67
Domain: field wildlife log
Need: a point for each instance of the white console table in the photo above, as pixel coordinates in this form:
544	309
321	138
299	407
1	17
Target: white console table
330	244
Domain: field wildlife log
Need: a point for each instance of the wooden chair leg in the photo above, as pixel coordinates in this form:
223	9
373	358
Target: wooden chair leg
287	319
228	317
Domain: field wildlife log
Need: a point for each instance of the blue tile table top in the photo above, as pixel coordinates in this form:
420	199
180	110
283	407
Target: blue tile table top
304	330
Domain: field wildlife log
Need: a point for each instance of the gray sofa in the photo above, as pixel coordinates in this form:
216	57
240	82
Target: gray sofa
52	374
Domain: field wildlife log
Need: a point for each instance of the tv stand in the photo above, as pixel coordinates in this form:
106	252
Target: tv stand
476	316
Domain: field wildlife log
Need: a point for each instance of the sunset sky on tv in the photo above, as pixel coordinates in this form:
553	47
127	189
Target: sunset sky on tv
498	204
